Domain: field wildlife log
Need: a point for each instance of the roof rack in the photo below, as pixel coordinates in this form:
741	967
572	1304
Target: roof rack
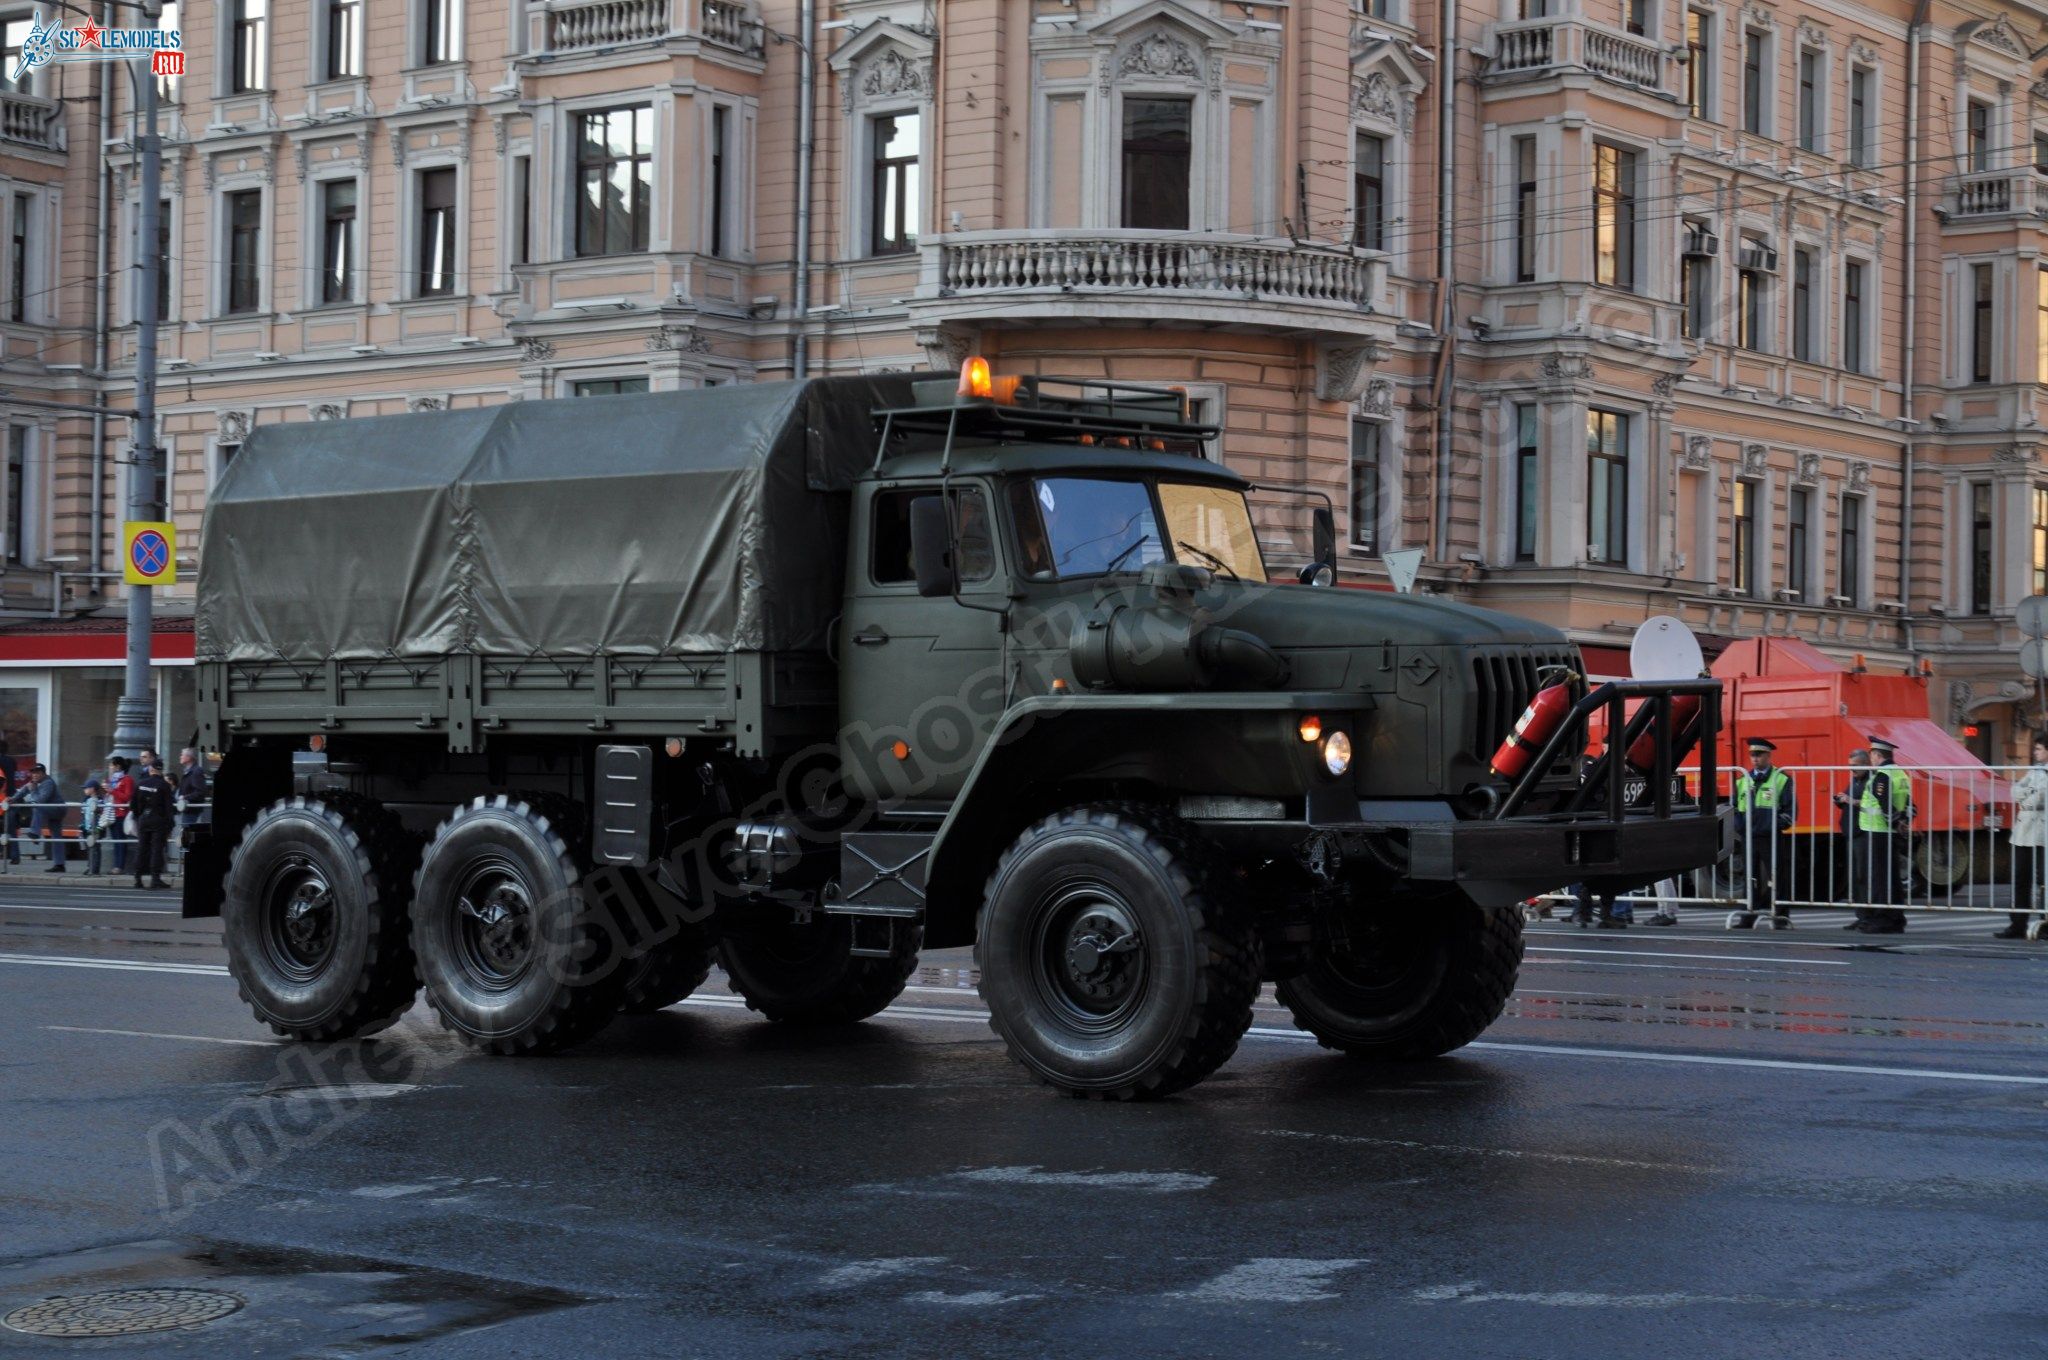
1048	408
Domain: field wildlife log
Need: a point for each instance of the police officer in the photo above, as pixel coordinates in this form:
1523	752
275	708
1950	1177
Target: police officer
152	807
1884	812
1765	808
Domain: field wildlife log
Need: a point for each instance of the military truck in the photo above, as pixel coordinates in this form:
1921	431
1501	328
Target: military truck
544	708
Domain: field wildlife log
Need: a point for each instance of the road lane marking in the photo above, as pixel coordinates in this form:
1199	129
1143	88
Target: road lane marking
1520	1154
1535	948
118	965
1536	956
152	1034
171	912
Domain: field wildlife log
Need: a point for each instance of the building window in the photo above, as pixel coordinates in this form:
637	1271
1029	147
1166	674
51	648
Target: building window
1859	115
1802	305
522	203
245	250
344	38
1614	216
614	180
1367	489
1982	335
2041	324
1699	66
1696	282
2041	153
13	35
1528	481
1607	486
17	492
1977	136
1798	523
894	185
1852	316
607	387
1525	209
166	279
1752	295
2037	560
1369	194
19	214
338	241
1742	575
250	45
440	31
1851	555
1533	9
720	198
437	241
168	86
1755	83
1809	100
1980	547
1158	157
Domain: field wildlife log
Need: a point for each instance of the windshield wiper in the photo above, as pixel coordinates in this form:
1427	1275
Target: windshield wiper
1118	560
1211	558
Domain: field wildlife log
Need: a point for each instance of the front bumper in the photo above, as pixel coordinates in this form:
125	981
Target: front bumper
1498	863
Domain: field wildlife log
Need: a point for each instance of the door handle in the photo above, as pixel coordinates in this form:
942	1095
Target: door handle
870	636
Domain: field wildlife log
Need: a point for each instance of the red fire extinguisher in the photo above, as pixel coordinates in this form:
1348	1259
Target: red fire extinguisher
1642	753
1538	723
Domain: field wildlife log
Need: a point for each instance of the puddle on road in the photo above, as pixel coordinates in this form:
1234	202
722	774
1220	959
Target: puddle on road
295	1302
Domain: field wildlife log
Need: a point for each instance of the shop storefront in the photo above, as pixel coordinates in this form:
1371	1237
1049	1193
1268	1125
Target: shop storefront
60	683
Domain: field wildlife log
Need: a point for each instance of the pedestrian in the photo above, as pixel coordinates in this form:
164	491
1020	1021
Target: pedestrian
1765	808
94	814
120	794
1846	801
46	802
191	788
152	806
1883	814
19	777
2029	840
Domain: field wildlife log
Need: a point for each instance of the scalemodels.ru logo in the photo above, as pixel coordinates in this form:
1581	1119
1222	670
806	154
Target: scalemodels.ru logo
164	47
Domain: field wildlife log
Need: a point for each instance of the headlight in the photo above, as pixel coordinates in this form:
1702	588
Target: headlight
1337	753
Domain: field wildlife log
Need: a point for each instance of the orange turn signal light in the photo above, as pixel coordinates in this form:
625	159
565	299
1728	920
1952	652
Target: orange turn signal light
1311	728
316	742
900	749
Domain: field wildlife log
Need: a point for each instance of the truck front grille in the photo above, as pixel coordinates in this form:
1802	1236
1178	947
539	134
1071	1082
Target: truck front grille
1503	683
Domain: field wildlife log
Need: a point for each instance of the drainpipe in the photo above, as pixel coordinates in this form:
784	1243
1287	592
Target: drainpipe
95	556
1446	184
1912	265
806	116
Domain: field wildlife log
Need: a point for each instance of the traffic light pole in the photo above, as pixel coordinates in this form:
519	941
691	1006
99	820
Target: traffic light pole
135	716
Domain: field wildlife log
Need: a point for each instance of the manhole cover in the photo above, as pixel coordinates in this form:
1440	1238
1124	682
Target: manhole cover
122	1312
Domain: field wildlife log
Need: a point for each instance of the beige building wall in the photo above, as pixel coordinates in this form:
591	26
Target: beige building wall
1300	294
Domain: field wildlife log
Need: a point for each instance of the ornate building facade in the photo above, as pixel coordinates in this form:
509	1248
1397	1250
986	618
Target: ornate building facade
1737	312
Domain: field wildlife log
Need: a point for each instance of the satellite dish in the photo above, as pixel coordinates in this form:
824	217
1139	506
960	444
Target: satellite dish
1665	649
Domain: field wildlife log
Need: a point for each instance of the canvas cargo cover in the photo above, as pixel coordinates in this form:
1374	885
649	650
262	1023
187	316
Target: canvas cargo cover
636	525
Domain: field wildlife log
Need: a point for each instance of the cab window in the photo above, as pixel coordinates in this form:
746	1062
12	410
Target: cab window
1084	526
889	558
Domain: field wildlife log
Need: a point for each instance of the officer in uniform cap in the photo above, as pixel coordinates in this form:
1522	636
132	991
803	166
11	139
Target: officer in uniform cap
1765	808
1883	814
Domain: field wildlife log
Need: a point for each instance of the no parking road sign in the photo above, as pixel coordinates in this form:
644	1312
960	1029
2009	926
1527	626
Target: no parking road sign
149	553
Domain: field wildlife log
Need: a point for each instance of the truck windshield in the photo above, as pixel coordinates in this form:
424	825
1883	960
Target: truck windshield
1087	526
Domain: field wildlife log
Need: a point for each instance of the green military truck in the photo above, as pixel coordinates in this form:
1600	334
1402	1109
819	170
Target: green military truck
544	708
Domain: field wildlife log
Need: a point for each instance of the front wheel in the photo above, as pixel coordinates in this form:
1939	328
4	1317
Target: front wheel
1413	982
1116	962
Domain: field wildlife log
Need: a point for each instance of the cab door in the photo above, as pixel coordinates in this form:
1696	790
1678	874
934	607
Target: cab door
921	681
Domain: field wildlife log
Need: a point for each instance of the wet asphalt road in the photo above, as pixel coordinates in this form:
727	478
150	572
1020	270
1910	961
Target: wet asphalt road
1677	1142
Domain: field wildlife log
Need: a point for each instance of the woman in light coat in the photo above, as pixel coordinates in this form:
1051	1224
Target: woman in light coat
2029	841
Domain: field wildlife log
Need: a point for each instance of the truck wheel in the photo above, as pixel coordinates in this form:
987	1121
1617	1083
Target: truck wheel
806	972
516	958
1116	963
314	917
667	973
1425	982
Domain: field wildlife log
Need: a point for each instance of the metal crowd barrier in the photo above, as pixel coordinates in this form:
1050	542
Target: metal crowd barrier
1951	851
24	846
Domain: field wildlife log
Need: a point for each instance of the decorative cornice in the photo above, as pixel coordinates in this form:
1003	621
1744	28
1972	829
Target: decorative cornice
1159	56
534	350
674	336
1698	454
1755	459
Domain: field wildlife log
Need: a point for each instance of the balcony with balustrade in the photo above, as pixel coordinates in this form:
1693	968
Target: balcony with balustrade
1527	49
30	122
595	27
1985	196
1103	276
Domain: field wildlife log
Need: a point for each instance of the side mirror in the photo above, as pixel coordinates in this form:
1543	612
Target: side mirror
1322	571
931	546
